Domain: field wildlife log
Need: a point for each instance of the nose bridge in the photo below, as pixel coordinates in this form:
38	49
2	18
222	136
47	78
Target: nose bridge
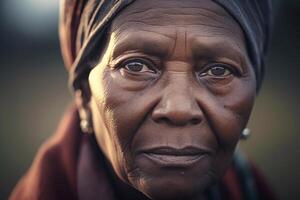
178	92
178	104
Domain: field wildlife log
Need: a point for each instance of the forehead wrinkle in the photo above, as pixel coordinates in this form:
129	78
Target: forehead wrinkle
136	26
164	30
167	18
225	47
226	36
150	10
156	20
170	25
180	45
144	7
195	14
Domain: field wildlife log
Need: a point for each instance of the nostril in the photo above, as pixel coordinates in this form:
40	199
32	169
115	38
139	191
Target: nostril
162	120
177	115
195	121
175	121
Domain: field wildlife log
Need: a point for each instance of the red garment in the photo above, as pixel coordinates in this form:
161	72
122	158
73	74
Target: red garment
54	173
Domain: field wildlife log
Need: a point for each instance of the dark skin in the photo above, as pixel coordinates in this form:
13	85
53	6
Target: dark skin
170	96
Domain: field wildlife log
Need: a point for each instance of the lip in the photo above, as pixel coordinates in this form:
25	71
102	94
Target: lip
175	157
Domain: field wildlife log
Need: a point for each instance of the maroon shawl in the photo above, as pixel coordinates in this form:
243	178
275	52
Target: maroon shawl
62	162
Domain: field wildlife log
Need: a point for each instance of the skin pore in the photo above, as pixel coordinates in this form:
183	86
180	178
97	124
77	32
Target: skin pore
170	96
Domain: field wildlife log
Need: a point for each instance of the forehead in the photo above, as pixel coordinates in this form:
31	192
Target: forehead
157	23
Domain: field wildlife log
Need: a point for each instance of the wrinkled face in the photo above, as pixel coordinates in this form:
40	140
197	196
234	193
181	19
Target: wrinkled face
171	95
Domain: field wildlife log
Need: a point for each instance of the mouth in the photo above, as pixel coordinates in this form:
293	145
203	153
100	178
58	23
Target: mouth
175	157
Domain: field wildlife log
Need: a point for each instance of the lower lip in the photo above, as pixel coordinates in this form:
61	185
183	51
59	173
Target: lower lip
181	161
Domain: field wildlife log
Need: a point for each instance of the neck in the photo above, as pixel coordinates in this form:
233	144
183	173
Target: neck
123	190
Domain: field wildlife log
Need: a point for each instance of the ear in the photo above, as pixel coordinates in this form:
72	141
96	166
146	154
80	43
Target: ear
82	100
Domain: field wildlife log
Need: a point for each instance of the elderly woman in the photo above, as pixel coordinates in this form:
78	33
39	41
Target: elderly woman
163	90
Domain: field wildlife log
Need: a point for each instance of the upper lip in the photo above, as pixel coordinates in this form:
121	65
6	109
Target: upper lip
171	151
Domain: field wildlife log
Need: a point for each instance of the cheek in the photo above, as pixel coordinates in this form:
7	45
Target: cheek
230	119
117	114
103	104
239	101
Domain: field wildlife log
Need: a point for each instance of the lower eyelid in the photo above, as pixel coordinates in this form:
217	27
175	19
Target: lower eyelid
217	82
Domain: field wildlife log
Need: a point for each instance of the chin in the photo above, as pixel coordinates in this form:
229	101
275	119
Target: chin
178	186
172	179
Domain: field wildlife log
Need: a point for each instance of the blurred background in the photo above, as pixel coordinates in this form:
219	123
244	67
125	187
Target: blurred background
34	93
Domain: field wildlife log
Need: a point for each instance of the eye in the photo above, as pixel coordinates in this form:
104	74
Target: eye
218	70
138	67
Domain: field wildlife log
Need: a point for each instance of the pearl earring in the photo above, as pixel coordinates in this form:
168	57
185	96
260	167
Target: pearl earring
86	126
245	134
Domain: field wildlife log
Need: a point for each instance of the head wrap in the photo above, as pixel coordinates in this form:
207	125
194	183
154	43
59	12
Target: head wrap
83	24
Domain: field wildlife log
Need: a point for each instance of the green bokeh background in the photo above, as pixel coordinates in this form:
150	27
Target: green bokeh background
34	95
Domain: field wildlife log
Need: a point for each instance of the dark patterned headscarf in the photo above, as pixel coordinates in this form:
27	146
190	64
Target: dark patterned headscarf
83	25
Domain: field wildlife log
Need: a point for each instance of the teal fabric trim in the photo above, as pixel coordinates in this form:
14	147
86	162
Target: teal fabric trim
245	175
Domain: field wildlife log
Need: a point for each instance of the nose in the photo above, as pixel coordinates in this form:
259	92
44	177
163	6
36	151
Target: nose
178	108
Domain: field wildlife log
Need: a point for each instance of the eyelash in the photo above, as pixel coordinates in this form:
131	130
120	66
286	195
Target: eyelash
204	72
143	61
228	67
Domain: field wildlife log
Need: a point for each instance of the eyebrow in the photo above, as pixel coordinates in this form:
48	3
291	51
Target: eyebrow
159	45
221	48
156	44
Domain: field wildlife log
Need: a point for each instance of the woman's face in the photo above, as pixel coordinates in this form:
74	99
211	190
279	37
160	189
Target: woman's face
171	95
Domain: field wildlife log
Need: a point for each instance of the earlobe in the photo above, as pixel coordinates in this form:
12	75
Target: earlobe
82	99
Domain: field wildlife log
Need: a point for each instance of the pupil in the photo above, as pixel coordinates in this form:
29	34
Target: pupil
218	71
136	67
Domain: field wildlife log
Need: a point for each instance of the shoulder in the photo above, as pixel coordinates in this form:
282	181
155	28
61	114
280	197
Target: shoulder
52	174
